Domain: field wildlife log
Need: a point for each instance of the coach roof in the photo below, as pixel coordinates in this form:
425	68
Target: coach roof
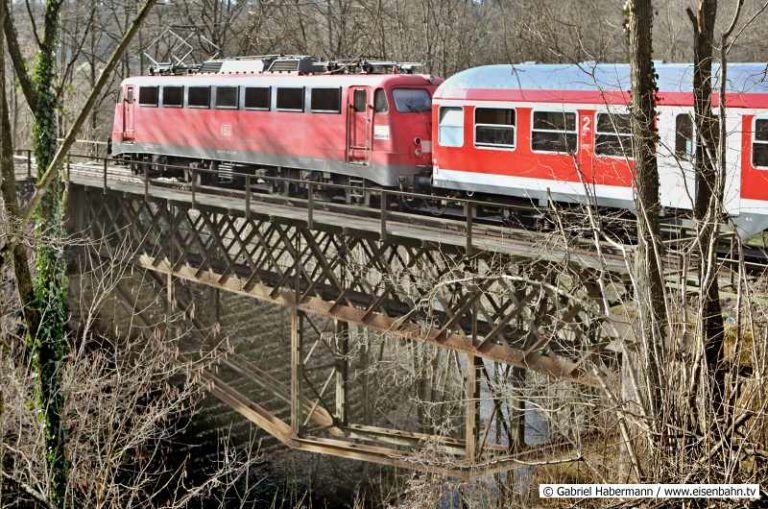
590	76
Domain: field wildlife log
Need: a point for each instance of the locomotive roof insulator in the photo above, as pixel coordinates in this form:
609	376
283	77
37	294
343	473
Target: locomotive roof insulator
298	64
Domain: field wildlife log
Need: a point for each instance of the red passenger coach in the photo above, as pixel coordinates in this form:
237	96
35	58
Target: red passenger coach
536	131
284	117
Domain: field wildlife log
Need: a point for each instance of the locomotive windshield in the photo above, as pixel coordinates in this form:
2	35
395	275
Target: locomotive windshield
409	100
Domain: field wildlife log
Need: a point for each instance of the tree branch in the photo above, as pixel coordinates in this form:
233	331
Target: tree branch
29	490
735	19
9	195
18	59
692	17
33	23
52	170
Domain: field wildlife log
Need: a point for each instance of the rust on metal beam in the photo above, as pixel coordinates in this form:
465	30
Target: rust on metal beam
551	365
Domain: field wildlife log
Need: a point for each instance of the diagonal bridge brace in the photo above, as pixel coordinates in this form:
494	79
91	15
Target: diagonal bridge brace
551	365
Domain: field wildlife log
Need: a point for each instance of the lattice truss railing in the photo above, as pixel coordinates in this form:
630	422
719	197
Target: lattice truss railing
527	313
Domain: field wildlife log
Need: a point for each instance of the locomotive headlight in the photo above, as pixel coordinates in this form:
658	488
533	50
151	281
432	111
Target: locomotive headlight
417	151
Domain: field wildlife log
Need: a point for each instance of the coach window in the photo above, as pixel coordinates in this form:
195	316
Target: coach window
226	98
326	100
451	127
290	99
684	148
199	97
613	135
554	131
148	96
495	127
760	143
257	98
173	97
380	101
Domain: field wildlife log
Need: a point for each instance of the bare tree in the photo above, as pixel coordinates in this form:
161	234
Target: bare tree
649	285
709	196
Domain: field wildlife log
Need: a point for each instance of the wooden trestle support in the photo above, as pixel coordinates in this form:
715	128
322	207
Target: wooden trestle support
527	314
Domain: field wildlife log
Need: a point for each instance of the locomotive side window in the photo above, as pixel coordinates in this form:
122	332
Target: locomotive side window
760	143
554	131
451	127
613	135
226	98
173	97
684	147
257	98
495	127
199	97
290	99
412	100
380	103
148	96
326	100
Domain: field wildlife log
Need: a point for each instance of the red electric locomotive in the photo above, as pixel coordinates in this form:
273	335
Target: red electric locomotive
563	132
284	116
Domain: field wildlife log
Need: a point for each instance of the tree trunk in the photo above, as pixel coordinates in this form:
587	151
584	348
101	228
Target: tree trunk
48	343
648	263
44	300
17	252
709	197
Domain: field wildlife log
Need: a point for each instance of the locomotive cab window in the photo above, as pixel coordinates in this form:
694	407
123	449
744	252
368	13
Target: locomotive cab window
684	147
226	98
613	135
554	131
412	100
760	144
199	97
326	100
257	98
495	128
380	103
451	127
173	97
290	99
148	96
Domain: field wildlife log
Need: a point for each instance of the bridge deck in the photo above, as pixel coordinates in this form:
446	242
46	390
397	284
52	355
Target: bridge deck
514	242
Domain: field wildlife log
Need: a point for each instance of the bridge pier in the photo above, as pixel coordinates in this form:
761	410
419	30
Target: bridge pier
296	371
471	402
341	340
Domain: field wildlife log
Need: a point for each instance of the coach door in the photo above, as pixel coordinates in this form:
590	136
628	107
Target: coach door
128	120
358	126
677	180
